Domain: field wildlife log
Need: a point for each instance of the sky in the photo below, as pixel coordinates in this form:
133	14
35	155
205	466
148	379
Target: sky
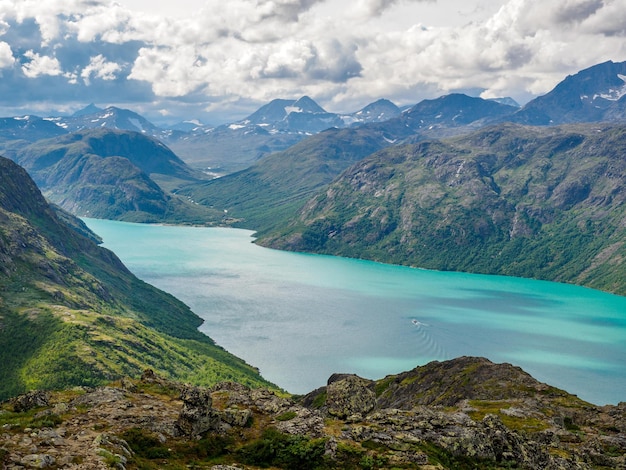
219	61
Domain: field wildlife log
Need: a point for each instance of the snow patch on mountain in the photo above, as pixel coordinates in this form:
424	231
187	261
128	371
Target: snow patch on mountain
293	109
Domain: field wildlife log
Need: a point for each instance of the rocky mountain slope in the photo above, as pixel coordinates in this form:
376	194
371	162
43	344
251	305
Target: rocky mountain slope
465	413
529	202
72	314
112	174
453	113
591	95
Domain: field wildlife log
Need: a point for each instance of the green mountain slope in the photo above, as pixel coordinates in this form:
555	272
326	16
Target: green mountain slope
271	191
513	200
112	174
71	313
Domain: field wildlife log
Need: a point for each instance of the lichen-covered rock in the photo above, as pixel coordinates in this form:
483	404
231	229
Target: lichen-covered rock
305	423
112	449
30	400
234	417
349	396
197	415
38	461
100	396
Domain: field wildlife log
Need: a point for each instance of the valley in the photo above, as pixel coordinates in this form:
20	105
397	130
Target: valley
300	318
479	191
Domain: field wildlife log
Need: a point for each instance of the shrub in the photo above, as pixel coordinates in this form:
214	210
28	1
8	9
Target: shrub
283	450
145	444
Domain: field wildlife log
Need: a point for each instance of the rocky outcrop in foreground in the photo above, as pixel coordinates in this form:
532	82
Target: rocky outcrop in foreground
464	413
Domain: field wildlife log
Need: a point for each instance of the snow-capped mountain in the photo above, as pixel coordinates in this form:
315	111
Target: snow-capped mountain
28	128
594	94
290	116
111	117
305	116
378	111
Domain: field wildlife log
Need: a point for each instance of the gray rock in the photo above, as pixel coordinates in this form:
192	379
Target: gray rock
234	417
38	461
349	395
100	396
30	400
197	415
306	423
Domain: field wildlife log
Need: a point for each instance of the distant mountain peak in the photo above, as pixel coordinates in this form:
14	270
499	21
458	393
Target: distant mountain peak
307	105
456	110
506	100
89	109
591	95
378	111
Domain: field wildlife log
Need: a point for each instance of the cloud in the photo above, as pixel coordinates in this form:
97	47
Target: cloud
576	11
99	67
610	20
40	65
172	72
372	8
6	55
523	49
246	52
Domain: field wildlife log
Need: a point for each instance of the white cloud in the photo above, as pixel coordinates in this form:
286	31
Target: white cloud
99	67
171	72
610	20
250	51
373	8
41	65
50	15
101	20
525	48
6	55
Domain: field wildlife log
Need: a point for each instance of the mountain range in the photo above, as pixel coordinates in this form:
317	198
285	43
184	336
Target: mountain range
455	183
129	175
272	181
275	126
592	95
106	173
522	201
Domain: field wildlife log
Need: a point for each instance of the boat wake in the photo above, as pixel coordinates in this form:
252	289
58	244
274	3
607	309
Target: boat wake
427	343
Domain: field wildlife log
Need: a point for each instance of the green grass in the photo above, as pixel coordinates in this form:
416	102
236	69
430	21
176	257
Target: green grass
72	314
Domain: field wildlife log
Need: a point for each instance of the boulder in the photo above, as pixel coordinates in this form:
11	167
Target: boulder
349	396
197	415
30	400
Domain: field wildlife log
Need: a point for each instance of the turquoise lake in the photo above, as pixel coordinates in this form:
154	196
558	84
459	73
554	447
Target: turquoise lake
299	318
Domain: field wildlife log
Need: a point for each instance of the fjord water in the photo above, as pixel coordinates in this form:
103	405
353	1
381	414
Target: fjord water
299	318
